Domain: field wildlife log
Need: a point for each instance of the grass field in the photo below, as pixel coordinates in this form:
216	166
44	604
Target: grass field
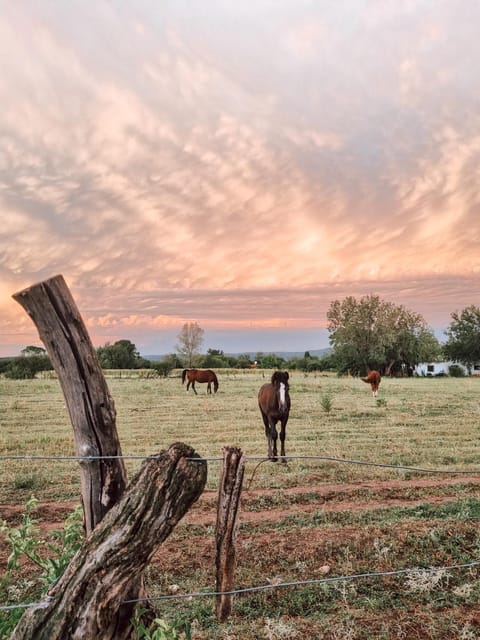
301	520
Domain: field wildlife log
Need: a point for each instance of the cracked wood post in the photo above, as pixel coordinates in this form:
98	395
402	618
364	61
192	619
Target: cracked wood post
89	599
226	528
92	412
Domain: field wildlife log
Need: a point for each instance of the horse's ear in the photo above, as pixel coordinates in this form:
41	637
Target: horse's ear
286	375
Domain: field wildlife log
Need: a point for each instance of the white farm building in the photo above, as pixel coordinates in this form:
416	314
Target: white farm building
432	369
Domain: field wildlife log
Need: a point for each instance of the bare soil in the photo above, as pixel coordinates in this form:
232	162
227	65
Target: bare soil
309	544
331	498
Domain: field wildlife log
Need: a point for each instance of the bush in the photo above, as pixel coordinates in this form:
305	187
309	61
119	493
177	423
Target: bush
456	371
24	368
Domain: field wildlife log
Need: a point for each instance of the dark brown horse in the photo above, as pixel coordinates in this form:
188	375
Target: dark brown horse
373	379
200	375
274	403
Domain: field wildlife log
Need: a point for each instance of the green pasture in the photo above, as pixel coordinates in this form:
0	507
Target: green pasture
421	422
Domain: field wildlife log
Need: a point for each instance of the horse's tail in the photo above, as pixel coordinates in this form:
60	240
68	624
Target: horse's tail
184	375
372	376
215	383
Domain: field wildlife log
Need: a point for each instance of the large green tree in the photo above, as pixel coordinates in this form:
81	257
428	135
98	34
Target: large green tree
122	354
371	333
463	337
190	340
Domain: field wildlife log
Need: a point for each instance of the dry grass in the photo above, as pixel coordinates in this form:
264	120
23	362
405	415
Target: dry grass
415	422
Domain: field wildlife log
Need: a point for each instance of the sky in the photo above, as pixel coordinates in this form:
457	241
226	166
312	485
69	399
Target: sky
238	164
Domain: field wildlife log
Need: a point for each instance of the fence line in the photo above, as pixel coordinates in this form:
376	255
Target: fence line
267	587
252	458
300	583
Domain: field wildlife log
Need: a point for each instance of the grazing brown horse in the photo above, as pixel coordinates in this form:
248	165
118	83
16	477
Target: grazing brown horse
200	375
373	379
274	404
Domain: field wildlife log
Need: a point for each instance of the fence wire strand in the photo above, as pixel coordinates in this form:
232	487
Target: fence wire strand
260	459
268	587
364	463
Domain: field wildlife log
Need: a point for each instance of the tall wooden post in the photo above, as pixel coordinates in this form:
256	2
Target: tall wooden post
226	529
91	408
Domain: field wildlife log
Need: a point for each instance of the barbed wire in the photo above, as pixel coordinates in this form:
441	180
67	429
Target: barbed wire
267	587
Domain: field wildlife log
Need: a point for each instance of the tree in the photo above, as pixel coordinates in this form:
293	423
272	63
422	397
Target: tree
32	350
26	367
214	359
167	364
190	339
371	333
269	361
122	354
463	337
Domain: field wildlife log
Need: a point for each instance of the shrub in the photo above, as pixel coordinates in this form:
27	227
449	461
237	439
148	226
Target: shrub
25	368
456	371
326	402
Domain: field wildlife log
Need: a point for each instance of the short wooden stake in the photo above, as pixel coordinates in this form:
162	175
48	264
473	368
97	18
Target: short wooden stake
226	529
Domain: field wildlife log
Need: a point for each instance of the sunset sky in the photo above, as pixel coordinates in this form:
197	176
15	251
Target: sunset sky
238	164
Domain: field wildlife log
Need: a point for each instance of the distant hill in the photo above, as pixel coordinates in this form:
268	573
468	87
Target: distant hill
286	355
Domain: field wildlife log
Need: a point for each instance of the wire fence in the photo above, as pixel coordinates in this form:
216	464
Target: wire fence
364	463
268	587
265	587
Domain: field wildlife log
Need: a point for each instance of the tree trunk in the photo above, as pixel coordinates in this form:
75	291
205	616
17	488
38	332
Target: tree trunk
91	408
88	602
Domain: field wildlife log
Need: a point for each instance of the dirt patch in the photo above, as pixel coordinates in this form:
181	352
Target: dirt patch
272	554
361	496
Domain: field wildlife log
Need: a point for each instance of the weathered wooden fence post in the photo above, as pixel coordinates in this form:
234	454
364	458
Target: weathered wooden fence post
226	528
109	568
91	408
88	602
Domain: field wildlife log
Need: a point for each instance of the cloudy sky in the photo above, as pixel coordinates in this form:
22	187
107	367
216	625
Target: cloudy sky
238	164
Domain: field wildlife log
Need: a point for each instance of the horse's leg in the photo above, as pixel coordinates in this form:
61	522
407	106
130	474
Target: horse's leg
193	387
283	430
267	426
188	385
272	442
209	387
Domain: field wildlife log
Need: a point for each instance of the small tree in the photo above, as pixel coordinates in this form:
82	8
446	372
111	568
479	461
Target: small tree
122	354
32	350
26	367
190	340
463	337
167	364
270	361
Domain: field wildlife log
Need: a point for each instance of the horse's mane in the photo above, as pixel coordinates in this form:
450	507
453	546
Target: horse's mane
280	376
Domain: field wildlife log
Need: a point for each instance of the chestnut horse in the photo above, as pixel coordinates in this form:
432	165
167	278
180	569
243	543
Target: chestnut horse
373	379
274	404
200	375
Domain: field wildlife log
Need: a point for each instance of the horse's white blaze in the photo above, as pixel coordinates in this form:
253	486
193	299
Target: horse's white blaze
282	394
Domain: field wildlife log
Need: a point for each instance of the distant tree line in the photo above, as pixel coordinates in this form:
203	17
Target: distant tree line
32	361
366	333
